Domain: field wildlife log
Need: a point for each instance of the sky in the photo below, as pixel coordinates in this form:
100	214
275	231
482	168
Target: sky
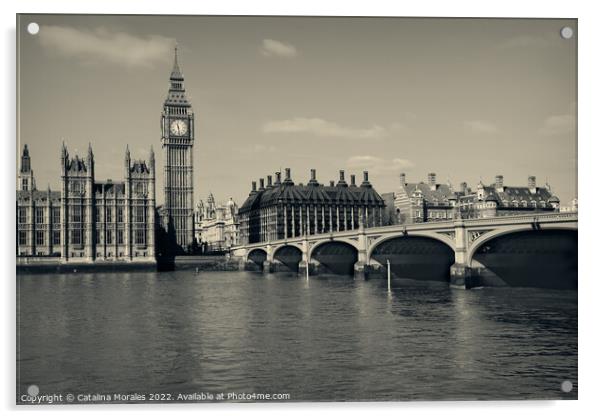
467	99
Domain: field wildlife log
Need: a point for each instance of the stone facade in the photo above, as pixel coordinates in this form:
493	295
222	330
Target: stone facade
284	210
88	221
216	225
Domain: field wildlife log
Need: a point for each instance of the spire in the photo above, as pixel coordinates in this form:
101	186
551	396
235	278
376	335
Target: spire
127	152
177	94
176	74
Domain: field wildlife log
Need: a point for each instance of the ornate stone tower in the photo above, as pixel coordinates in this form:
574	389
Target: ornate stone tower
177	139
26	179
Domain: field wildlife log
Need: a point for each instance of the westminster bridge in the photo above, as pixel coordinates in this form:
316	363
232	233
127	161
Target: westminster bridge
521	250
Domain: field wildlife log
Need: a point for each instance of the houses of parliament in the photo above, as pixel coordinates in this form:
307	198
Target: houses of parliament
114	221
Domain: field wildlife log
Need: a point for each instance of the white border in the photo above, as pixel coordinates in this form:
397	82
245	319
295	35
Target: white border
590	69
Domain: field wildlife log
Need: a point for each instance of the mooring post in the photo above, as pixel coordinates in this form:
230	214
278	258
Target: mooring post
388	275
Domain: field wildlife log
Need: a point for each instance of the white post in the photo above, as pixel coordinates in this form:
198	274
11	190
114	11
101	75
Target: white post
388	275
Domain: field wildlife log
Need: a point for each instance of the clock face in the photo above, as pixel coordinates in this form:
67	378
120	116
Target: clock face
178	127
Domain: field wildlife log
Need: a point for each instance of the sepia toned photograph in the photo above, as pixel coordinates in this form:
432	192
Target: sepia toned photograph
276	209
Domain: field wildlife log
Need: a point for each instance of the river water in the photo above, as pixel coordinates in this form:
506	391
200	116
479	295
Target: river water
329	338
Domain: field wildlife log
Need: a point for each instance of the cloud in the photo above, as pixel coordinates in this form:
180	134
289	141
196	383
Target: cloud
378	165
481	127
558	125
322	128
273	48
103	46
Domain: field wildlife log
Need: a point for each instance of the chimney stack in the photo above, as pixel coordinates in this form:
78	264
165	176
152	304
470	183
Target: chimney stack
253	186
402	179
287	174
313	174
278	180
261	185
352	180
366	182
499	183
269	181
341	181
432	181
332	183
532	184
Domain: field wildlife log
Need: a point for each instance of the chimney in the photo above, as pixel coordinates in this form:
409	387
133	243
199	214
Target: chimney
253	186
341	181
287	174
402	179
269	181
278	180
432	181
499	183
366	182
352	180
332	183
313	174
261	185
532	184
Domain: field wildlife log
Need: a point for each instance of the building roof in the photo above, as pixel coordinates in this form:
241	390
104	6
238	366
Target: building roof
517	193
312	193
441	193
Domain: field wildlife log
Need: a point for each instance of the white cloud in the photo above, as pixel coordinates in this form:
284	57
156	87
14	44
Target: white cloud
481	127
271	47
378	165
101	46
558	125
322	128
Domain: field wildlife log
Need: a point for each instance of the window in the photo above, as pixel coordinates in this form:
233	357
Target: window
22	238
56	215
39	215
120	214
139	212
76	237
39	238
97	215
56	237
76	214
98	236
109	215
140	236
109	237
120	237
22	215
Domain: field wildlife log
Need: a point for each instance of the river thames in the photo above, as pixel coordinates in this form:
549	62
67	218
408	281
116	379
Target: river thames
329	338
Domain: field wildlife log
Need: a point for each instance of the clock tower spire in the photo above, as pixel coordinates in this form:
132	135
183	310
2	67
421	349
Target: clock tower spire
177	139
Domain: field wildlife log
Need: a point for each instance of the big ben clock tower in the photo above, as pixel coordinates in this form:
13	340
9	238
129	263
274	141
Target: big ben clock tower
177	139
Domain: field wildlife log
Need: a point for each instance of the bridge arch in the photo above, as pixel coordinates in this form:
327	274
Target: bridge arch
257	256
432	235
288	255
502	231
336	256
526	257
414	256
